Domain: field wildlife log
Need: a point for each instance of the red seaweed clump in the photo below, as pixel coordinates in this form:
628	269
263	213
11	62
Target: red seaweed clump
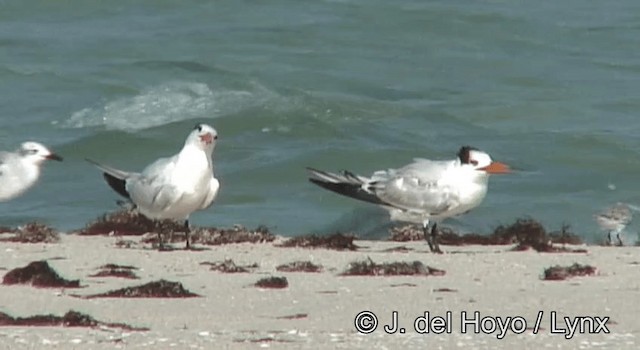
31	233
527	233
236	234
272	282
113	270
447	236
292	317
370	268
336	241
399	249
70	319
561	273
531	234
299	266
38	274
228	266
406	233
565	236
127	223
156	289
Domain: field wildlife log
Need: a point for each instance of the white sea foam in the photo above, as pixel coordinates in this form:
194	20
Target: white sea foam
165	104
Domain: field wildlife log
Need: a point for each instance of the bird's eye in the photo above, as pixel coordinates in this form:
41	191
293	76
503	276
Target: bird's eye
473	162
198	127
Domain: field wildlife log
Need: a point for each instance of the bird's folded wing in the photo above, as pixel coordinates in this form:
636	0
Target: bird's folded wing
152	193
4	160
418	186
214	185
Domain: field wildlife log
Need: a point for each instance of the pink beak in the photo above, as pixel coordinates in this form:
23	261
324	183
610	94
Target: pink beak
207	138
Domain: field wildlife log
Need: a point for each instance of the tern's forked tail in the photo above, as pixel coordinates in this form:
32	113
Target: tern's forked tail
116	179
346	184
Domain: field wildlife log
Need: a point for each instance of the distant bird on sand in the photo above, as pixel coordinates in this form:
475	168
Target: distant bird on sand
421	191
20	170
173	187
614	220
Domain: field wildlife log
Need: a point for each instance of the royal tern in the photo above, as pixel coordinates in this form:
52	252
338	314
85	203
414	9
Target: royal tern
423	191
20	170
173	187
614	219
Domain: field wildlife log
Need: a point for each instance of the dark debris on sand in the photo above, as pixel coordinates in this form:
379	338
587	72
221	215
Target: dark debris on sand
156	289
31	233
370	268
565	236
448	236
131	223
272	282
228	266
263	340
336	241
527	233
530	234
292	317
400	249
236	234
113	270
299	266
406	233
38	274
126	223
561	273
70	319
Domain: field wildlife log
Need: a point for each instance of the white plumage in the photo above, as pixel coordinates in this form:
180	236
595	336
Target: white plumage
173	187
423	191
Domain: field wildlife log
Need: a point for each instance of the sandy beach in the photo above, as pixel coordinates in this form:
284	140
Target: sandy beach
318	310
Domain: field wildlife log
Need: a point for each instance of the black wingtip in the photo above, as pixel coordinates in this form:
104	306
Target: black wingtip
349	190
117	185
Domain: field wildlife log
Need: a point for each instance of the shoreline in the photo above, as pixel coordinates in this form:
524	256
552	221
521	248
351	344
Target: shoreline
317	309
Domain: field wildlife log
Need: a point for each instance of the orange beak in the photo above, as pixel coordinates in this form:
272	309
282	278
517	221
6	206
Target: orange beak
206	138
497	168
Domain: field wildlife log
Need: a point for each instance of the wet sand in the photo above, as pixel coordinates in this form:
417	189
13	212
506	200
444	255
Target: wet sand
317	309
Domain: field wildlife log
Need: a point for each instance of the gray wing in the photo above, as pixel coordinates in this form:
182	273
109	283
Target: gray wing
418	186
214	186
6	158
3	162
152	189
160	166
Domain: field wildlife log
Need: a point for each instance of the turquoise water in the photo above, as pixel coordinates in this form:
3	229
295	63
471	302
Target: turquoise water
548	87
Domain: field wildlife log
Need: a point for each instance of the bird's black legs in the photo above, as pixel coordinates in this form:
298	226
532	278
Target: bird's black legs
434	239
425	231
160	243
186	233
609	238
619	239
431	238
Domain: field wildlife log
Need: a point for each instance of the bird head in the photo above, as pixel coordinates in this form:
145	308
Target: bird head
37	153
481	161
204	137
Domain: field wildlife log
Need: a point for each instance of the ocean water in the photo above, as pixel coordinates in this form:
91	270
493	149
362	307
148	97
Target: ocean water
547	87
